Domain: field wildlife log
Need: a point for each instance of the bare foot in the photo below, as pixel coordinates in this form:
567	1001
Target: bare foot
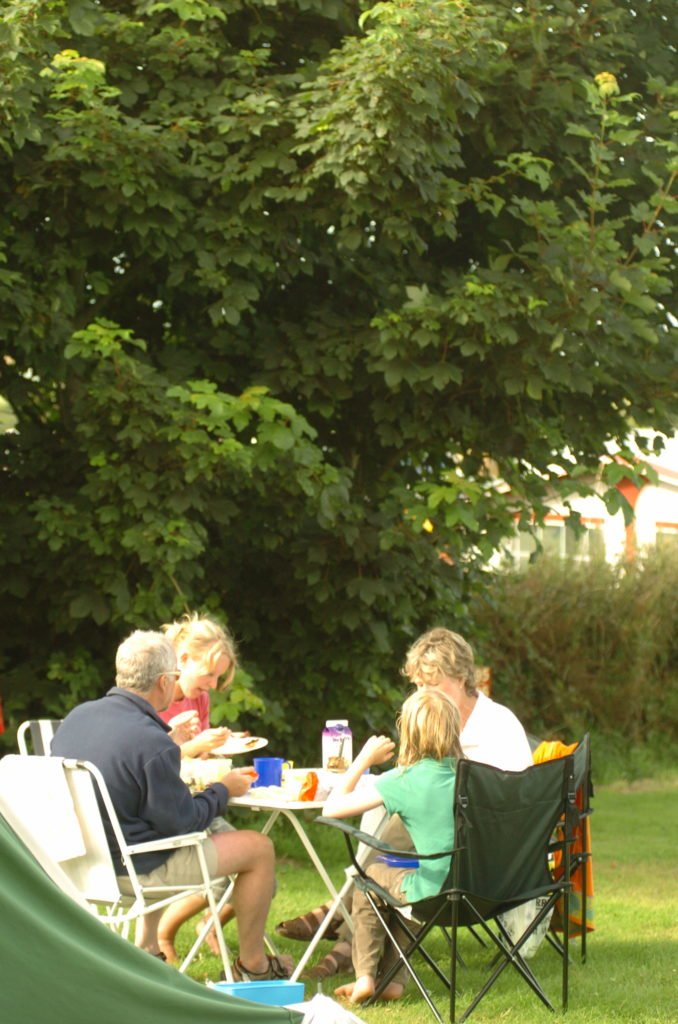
394	990
364	988
361	990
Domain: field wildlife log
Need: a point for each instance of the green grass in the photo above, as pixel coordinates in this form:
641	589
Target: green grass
631	976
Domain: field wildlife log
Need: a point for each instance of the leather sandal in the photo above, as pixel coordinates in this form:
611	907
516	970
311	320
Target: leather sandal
276	969
331	964
303	928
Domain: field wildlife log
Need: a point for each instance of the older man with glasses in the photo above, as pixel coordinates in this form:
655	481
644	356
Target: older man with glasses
123	735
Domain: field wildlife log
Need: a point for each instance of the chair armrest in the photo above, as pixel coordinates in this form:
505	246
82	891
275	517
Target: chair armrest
169	843
377	844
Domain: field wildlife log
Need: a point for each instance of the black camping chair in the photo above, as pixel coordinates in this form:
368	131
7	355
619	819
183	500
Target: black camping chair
506	841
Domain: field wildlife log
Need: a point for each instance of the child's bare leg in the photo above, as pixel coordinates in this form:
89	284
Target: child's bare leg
226	914
171	920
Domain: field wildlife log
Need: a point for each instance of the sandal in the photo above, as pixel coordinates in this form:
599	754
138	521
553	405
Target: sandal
303	928
331	964
276	969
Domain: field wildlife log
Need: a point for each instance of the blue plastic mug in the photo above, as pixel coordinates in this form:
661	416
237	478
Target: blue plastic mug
269	770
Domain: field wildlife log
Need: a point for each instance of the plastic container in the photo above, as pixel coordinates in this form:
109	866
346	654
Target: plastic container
337	745
395	860
272	993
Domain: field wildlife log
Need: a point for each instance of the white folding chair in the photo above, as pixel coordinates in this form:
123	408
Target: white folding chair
52	804
35	735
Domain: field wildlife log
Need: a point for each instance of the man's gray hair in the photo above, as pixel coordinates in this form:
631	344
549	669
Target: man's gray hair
141	658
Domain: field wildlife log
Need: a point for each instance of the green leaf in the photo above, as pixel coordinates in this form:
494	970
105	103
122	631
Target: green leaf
620	281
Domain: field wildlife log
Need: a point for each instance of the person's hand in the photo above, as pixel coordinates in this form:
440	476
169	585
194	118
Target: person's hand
206	741
215	737
238	780
184	726
377	750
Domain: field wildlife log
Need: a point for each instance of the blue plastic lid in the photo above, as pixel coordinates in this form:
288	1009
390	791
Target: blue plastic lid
398	861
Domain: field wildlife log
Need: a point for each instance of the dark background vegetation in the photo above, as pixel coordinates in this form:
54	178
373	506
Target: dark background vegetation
300	309
578	647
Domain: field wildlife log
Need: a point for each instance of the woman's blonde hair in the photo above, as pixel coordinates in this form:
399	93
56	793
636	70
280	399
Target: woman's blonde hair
204	640
429	726
440	652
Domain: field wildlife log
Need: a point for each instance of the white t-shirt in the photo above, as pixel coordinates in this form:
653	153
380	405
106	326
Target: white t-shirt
494	736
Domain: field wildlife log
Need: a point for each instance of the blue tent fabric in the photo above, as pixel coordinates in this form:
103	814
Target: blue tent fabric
58	963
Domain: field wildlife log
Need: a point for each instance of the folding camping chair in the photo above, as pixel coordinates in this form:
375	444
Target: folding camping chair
35	735
57	803
505	845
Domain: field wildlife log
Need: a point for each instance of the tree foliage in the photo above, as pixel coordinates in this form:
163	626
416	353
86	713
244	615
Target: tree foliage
285	289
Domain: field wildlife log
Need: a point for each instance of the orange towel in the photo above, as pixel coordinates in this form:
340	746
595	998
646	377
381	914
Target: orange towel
548	750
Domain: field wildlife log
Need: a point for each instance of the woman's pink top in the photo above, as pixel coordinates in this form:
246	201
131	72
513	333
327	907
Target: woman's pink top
201	704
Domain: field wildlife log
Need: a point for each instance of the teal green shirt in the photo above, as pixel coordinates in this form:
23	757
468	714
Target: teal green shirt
423	796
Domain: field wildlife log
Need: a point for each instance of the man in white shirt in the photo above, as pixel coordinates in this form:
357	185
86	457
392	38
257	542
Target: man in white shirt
490	733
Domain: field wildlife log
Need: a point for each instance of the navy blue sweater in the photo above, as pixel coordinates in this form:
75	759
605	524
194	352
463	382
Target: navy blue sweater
123	736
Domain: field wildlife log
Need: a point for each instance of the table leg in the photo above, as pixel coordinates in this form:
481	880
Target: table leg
337	896
336	904
372	821
319	866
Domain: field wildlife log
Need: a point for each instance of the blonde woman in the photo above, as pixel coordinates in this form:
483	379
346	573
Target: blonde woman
421	790
206	660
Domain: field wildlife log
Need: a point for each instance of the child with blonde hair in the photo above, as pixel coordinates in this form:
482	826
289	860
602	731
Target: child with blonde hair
421	790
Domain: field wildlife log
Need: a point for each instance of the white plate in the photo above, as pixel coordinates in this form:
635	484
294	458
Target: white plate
239	744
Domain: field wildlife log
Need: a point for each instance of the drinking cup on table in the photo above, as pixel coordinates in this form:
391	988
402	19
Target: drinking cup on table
269	770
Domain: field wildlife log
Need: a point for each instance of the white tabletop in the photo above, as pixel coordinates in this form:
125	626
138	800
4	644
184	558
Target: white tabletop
273	798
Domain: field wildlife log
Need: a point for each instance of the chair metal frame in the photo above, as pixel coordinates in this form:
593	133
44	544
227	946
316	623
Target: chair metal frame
40	732
91	871
579	858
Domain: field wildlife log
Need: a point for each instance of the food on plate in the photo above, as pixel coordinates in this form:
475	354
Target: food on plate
239	743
